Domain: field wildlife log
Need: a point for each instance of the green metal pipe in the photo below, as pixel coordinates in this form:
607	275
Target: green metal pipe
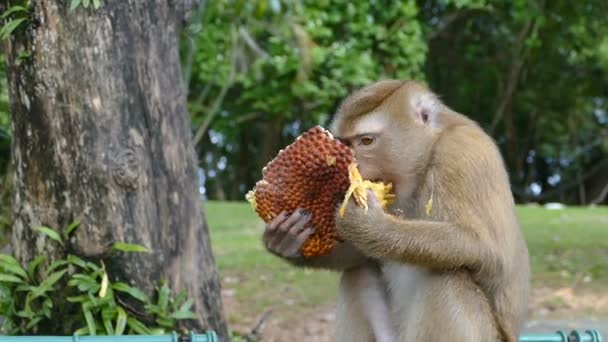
561	336
209	336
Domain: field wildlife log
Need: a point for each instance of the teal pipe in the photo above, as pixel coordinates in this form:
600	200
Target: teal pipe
560	336
209	336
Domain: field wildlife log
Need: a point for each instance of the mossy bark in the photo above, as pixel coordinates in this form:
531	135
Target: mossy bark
101	133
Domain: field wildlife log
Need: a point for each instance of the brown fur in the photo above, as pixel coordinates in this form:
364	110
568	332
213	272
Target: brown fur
464	268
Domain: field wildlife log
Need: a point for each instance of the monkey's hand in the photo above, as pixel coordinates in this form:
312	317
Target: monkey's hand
360	224
286	234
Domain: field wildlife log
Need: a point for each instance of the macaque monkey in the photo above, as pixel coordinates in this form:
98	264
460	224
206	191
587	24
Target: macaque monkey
450	256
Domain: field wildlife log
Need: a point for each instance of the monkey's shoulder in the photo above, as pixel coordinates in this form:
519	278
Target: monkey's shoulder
468	146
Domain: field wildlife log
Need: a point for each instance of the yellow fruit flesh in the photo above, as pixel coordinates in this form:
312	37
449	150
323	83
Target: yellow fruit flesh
358	190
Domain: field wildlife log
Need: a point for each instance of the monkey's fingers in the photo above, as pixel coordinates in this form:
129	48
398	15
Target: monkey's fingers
372	200
301	238
299	225
277	221
296	216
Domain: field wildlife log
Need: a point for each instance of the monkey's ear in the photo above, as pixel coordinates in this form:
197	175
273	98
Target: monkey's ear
426	108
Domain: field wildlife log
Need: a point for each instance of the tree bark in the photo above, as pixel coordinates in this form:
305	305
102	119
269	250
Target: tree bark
101	133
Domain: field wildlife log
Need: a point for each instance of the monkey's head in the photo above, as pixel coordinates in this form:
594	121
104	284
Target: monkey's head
392	126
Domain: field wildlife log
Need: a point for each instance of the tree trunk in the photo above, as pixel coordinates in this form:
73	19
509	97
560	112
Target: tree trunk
101	133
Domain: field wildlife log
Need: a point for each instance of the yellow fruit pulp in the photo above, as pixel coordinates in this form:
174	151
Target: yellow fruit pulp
358	190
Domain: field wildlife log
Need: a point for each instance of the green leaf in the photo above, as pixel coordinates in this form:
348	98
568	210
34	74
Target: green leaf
74	260
74	4
132	291
71	227
9	278
13	9
48	283
25	313
96	302
107	314
121	321
83	286
11	265
96	4
184	311
157	331
78	299
8	28
82	331
129	247
51	233
85	277
187	305
94	267
86	3
163	297
33	265
25	287
84	282
181	297
165	322
88	317
55	265
47	305
137	326
34	321
183	315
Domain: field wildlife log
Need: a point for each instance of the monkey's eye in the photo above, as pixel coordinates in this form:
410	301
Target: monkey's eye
366	141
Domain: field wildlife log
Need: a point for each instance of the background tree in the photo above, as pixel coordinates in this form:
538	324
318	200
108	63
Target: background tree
100	135
532	72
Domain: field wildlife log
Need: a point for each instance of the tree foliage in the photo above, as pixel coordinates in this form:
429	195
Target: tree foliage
533	73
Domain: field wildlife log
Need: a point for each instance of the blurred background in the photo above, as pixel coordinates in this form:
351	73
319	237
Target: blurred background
533	73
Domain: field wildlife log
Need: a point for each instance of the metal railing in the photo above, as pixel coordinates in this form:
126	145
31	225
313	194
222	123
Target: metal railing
210	336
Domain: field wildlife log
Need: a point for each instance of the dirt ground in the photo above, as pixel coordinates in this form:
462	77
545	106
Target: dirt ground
550	309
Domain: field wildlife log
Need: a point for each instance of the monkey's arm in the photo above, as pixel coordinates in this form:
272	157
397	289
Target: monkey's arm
343	256
440	245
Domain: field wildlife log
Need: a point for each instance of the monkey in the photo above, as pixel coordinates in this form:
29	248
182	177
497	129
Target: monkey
453	264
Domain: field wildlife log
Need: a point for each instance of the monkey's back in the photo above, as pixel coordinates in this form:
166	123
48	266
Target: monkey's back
470	188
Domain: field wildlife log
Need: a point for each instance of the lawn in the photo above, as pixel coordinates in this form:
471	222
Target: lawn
257	280
568	249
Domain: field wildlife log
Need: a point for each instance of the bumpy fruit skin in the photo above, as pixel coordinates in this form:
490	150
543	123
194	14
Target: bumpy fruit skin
312	173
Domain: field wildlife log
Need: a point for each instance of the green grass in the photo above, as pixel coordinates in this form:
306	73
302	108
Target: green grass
566	246
260	280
